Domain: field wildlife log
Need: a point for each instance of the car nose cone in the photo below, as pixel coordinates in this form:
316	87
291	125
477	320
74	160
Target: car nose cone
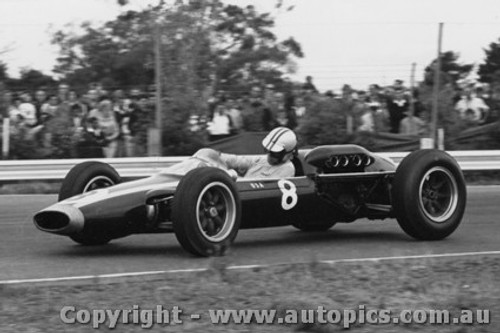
60	219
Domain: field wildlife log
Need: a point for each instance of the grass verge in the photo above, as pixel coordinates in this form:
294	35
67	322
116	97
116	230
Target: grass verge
450	284
30	188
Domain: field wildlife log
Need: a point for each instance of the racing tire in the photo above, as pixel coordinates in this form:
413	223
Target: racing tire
206	212
85	177
429	194
314	227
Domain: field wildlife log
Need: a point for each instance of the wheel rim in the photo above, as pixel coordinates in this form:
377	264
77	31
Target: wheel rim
98	182
438	194
216	212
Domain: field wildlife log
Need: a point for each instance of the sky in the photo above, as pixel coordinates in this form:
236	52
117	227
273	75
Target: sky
356	42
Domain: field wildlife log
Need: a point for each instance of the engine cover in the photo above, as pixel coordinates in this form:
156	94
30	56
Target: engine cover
339	158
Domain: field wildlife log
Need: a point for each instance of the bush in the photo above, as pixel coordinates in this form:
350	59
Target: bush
60	136
323	123
26	145
177	138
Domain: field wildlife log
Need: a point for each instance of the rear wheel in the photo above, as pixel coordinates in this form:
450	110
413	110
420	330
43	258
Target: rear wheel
429	195
206	212
86	177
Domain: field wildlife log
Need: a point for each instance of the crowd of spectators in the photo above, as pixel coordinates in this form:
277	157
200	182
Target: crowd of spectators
476	105
102	123
261	109
392	109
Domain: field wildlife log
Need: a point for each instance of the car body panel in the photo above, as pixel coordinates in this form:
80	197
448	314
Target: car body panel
139	206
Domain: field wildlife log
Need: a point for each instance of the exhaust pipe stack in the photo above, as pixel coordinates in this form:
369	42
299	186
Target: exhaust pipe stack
343	161
356	160
367	160
60	219
333	162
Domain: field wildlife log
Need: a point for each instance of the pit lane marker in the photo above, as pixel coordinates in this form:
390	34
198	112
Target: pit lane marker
239	267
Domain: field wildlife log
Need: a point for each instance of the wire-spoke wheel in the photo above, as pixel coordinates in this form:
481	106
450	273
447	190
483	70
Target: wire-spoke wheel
206	212
429	194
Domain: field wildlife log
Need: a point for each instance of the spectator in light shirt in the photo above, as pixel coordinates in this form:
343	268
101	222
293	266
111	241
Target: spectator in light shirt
108	124
220	126
27	110
471	108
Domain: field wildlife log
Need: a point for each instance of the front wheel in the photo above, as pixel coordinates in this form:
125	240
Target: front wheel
88	176
85	177
206	212
429	194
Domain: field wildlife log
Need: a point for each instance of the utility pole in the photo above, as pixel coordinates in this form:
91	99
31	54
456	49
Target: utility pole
5	137
437	77
412	87
155	135
412	100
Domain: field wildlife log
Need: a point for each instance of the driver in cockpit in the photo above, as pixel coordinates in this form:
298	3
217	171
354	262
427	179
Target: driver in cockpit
280	146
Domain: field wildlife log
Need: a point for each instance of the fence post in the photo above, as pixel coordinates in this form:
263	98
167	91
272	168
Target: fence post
426	143
440	138
154	138
5	137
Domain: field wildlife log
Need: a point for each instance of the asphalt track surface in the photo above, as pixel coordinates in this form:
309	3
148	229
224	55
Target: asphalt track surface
26	253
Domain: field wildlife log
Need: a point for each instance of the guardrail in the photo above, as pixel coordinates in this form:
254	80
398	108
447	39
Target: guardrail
469	160
144	166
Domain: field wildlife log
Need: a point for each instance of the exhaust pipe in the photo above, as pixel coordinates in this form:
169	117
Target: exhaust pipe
333	162
343	161
367	160
356	160
60	219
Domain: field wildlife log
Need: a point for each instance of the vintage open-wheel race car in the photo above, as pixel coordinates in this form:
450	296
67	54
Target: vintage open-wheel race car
205	207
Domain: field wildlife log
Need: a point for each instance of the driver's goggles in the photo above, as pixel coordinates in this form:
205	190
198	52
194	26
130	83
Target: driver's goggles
278	155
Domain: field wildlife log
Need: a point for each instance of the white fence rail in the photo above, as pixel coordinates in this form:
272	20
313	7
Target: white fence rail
145	166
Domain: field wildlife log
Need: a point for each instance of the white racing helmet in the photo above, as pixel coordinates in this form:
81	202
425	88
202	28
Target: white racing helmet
280	139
